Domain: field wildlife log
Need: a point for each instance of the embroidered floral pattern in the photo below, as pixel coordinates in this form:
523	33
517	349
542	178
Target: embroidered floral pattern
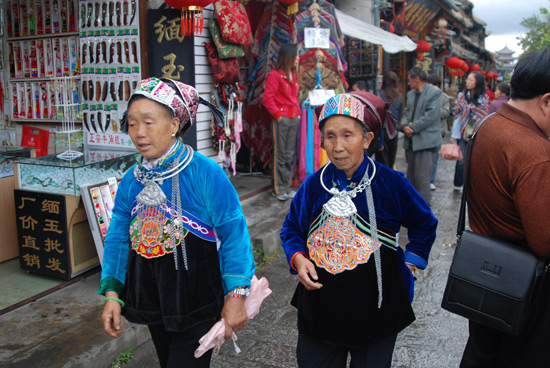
225	50
223	71
150	235
338	246
233	21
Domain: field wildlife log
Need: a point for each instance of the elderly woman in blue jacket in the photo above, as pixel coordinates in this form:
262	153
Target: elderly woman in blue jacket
177	243
355	281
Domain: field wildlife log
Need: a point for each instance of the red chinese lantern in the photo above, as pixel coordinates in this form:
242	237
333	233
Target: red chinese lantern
464	66
192	17
475	68
484	73
421	48
453	62
390	26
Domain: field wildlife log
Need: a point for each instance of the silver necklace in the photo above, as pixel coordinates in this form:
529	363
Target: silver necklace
341	206
152	197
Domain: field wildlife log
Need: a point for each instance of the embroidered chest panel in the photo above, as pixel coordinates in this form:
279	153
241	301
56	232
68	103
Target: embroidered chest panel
339	244
151	230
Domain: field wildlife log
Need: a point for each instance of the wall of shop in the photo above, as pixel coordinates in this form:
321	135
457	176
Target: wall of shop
203	83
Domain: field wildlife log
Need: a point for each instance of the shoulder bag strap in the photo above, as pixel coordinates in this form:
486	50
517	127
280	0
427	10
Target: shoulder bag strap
462	214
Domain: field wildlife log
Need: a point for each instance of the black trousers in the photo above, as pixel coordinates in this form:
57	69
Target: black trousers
176	349
314	354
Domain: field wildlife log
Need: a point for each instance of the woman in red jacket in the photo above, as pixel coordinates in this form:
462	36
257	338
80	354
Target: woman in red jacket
281	100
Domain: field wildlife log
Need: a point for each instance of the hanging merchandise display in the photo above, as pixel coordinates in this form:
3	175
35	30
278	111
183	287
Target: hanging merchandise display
362	58
226	137
275	27
225	56
70	108
321	75
192	16
223	70
42	45
321	68
233	20
226	50
110	55
292	6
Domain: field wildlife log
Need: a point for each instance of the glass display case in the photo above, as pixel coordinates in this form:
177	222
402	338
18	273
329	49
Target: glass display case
99	200
8	240
9	155
53	175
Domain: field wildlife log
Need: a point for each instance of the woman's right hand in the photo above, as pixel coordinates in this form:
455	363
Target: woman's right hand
306	272
111	316
279	119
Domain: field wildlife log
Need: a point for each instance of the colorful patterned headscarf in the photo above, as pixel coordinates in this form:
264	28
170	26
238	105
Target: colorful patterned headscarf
181	99
370	110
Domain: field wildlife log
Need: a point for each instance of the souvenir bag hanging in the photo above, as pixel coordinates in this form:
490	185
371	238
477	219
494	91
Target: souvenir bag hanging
223	70
233	21
225	50
491	282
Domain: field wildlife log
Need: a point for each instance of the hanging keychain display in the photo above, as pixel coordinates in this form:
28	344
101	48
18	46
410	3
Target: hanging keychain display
110	49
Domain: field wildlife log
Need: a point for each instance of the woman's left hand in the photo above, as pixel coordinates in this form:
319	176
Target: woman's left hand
234	315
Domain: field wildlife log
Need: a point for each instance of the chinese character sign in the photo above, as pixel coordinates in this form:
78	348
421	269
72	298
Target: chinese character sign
415	16
316	38
42	233
170	54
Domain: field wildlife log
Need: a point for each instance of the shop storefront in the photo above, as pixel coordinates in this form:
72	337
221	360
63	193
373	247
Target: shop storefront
69	67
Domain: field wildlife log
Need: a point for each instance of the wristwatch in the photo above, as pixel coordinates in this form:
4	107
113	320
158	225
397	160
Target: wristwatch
239	292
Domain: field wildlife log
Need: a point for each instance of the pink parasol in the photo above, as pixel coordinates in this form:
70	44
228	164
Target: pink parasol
259	290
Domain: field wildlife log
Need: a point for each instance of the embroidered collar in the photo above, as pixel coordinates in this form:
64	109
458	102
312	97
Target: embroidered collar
338	178
165	161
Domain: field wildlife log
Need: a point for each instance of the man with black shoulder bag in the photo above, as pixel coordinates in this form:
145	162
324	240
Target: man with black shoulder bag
509	214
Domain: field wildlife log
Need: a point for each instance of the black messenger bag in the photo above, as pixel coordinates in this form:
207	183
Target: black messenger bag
491	282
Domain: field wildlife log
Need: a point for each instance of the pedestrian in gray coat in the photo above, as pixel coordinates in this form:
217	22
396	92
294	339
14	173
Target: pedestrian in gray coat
421	126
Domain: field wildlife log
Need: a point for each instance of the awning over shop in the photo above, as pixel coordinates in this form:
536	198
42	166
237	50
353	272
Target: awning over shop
357	28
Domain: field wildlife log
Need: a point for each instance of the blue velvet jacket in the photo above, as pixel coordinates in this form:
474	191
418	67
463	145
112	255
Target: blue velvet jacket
396	201
207	194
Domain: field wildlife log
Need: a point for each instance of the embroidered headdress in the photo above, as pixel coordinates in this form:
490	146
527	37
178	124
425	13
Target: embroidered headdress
181	99
370	110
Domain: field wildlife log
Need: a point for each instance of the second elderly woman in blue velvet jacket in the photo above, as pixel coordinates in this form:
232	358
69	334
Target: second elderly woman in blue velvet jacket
356	283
